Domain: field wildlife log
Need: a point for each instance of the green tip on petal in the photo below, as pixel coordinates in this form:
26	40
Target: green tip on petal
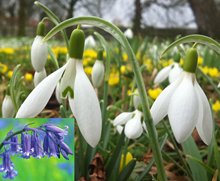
100	54
68	90
77	40
177	58
190	62
139	108
8	90
41	29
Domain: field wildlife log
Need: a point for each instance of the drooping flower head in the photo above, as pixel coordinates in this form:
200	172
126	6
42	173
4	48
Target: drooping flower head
186	104
8	110
39	50
98	70
173	71
76	86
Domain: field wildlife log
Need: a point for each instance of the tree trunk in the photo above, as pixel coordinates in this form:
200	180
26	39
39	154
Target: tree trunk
207	17
22	18
137	17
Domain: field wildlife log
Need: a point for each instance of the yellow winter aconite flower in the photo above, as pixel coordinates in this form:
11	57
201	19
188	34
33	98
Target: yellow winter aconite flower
129	92
113	79
181	62
88	70
28	77
10	74
3	68
154	93
213	72
125	56
205	69
7	50
123	69
90	53
128	158
216	106
200	60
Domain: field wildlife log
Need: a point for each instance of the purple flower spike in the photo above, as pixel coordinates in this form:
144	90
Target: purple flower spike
65	155
7	165
26	145
11	175
15	147
65	147
36	146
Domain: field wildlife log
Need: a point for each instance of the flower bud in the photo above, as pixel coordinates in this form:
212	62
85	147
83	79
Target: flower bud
8	110
191	59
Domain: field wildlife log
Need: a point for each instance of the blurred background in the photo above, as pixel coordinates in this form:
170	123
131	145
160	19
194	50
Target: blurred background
52	169
162	18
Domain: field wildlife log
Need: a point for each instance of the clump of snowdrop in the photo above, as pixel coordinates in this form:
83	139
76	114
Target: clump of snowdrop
128	33
39	50
98	70
172	71
186	104
75	86
8	110
132	120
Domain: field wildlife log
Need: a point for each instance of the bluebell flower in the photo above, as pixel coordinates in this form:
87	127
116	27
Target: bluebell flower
11	175
50	146
15	148
26	145
7	165
36	146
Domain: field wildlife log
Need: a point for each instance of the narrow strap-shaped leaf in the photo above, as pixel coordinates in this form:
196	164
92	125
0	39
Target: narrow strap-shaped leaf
208	168
195	38
126	172
217	156
53	57
115	156
190	148
107	134
150	164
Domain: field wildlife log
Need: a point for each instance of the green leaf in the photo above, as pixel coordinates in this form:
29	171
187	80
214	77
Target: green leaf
115	156
190	148
195	38
208	168
217	156
107	134
53	57
126	172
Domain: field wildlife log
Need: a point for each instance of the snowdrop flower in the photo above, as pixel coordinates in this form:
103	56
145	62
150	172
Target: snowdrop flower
76	86
172	71
136	99
185	104
39	50
98	70
128	33
132	120
218	85
39	76
90	41
8	110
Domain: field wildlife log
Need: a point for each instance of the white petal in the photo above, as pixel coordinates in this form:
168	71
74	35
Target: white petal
39	97
90	41
160	106
39	76
183	110
122	118
68	79
136	100
85	107
218	85
204	125
98	72
58	93
128	33
38	54
162	75
119	129
133	128
8	110
175	73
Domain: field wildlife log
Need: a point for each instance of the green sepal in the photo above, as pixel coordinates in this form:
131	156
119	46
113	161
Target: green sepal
191	60
177	58
139	108
100	54
112	116
41	29
76	44
70	90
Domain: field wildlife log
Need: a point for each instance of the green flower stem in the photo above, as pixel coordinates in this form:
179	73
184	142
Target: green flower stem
125	152
11	135
82	158
177	150
116	32
209	80
125	94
